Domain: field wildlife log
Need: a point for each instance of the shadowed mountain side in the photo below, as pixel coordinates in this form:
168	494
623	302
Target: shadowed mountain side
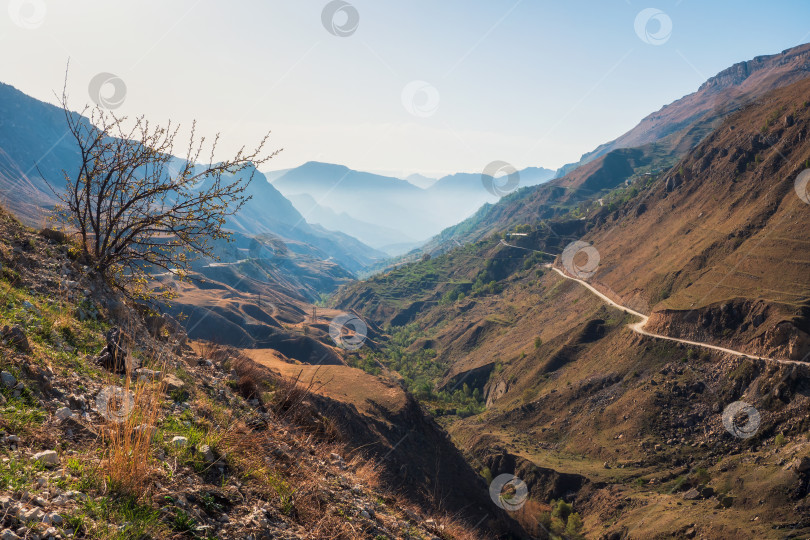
387	424
402	212
376	236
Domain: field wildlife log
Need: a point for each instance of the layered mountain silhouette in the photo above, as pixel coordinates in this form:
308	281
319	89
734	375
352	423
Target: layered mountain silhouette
35	146
400	213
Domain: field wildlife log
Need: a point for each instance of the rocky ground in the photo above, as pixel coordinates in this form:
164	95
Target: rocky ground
113	427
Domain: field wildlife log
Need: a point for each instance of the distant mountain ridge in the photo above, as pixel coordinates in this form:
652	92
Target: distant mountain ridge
398	212
34	142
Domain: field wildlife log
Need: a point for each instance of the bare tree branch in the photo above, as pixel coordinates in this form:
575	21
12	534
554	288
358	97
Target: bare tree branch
136	206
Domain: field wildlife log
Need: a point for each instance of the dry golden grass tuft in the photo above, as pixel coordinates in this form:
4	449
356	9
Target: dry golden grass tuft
133	413
127	437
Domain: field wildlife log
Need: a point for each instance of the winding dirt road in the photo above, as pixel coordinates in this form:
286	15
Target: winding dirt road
638	327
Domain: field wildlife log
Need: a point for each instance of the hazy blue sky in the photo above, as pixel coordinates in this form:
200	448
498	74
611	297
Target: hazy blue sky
529	82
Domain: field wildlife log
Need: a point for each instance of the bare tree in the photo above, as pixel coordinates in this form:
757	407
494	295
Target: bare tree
137	207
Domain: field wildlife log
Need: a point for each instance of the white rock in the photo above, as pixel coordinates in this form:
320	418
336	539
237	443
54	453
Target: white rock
49	458
179	441
35	514
148	431
207	453
64	413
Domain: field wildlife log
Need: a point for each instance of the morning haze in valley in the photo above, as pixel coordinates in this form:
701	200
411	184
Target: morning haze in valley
342	269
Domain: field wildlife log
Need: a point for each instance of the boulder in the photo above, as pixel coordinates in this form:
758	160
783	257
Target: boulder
15	336
173	382
179	441
64	413
691	495
53	235
49	458
8	379
34	515
148	431
207	453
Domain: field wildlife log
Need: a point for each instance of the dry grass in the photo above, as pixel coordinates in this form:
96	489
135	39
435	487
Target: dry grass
126	462
295	483
134	415
214	351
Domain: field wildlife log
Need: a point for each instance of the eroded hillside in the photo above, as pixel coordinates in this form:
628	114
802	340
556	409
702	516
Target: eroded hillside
115	427
638	433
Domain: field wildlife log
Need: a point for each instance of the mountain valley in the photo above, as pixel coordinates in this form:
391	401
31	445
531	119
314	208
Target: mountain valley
618	349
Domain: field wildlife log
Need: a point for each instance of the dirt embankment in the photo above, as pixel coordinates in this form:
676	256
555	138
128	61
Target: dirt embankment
754	327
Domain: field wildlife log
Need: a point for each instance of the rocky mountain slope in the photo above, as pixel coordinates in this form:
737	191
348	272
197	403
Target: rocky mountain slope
718	96
654	145
641	436
115	427
713	249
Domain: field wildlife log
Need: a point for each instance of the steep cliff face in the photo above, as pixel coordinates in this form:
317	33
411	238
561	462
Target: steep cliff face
723	93
795	60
